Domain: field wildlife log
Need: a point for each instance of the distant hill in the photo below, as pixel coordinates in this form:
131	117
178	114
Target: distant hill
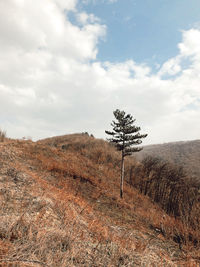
185	153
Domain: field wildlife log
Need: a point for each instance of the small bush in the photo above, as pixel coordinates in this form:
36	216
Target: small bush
2	135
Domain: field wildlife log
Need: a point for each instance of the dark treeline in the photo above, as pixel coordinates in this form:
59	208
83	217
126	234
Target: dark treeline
168	185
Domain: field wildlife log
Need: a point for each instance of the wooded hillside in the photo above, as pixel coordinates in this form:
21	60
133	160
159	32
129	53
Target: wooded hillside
186	154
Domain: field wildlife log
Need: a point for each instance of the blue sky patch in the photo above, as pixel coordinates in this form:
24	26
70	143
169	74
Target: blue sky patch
144	31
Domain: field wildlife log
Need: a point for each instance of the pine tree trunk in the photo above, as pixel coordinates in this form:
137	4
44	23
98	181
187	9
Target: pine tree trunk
122	176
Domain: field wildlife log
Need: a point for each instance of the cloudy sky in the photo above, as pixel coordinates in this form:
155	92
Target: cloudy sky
65	65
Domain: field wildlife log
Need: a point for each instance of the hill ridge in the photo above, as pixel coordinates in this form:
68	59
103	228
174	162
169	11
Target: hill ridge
61	207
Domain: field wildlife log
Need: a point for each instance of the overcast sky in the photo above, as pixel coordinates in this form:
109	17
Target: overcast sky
65	65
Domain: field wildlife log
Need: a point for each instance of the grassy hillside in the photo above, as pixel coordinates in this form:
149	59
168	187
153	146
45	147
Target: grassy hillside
186	154
60	206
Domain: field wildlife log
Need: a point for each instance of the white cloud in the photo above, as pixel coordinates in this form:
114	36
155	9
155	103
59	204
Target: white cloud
189	48
51	82
171	67
85	18
66	4
99	1
191	43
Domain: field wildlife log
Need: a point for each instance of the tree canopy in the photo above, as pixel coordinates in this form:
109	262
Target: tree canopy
125	135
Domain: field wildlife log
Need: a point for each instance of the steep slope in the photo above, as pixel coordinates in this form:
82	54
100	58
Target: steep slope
60	206
185	153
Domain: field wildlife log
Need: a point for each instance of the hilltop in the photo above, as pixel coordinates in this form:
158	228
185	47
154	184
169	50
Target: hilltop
60	206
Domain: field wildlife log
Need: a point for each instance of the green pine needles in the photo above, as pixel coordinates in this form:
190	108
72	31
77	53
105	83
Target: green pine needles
125	136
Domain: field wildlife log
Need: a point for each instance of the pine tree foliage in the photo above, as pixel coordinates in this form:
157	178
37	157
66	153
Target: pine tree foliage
125	134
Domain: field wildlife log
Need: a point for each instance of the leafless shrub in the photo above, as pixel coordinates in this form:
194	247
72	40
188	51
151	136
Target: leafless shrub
168	185
2	135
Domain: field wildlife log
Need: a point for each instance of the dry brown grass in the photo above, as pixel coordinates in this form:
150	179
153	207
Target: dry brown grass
61	207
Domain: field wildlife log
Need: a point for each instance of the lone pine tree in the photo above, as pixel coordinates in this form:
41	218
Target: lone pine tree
125	136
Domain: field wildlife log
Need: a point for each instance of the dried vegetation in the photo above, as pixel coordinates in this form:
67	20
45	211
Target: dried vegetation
60	206
170	187
2	135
